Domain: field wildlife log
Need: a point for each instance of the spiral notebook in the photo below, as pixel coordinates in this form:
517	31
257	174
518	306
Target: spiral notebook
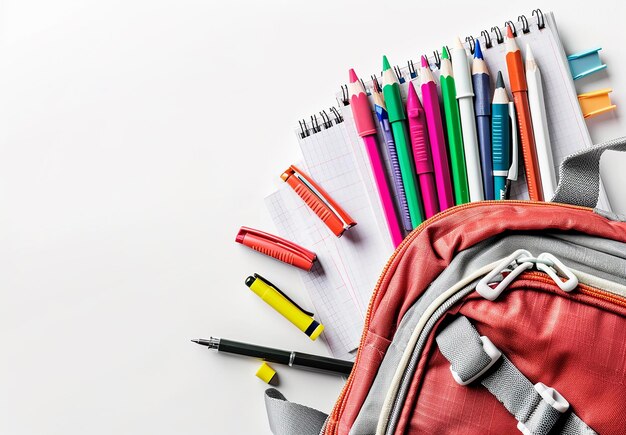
342	283
568	131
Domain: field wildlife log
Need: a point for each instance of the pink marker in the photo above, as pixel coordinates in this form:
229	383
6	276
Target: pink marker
366	128
418	131
430	100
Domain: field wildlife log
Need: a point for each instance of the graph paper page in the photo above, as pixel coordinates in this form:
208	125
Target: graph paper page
348	267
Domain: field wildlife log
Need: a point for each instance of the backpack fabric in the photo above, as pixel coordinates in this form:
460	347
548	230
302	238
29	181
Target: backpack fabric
493	317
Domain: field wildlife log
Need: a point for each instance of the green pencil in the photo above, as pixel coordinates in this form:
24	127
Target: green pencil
453	125
397	119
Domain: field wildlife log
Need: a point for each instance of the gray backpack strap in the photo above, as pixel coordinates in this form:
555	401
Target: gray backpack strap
288	418
538	409
579	174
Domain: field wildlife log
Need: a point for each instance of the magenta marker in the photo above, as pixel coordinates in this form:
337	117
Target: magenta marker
418	131
430	100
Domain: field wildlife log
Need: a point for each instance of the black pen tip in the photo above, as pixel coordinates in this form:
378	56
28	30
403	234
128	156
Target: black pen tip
196	341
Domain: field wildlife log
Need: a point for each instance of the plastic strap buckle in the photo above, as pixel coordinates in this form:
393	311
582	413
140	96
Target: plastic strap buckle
552	398
494	354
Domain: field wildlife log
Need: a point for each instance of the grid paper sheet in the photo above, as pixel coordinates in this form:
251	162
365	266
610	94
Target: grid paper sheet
348	267
568	131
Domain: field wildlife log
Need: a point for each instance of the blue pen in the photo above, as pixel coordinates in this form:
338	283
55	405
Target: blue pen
501	138
396	176
482	107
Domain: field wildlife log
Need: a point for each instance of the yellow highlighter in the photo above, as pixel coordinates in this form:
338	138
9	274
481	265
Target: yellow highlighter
278	300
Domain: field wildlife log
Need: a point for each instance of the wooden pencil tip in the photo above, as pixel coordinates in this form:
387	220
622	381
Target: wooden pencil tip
500	80
353	76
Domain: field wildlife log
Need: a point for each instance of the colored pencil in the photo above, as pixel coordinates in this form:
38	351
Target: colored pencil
366	128
501	138
482	107
418	132
397	118
465	97
519	89
453	128
540	126
430	100
392	155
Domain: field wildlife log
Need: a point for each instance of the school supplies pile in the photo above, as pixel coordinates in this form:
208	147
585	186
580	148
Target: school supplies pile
490	118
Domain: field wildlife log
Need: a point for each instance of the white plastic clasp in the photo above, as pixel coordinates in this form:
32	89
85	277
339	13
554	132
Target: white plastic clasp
492	294
571	281
491	350
552	397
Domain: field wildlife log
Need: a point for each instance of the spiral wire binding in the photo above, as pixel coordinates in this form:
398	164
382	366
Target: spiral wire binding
396	68
338	117
304	131
412	71
490	37
472	44
541	23
512	26
315	126
326	122
487	37
437	57
524	21
344	95
498	32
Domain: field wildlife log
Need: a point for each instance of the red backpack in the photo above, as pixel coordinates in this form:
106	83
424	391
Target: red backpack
490	318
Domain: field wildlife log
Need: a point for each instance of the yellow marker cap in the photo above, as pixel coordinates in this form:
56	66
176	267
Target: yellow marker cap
267	374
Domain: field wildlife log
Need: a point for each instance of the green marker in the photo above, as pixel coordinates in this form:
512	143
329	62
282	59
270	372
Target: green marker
453	125
397	119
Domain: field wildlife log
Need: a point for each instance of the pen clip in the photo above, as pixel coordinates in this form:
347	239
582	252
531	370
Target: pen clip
319	195
308	313
513	169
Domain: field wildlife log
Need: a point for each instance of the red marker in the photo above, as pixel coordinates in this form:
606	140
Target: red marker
277	247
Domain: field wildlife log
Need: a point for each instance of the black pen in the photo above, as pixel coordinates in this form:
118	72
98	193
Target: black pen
292	359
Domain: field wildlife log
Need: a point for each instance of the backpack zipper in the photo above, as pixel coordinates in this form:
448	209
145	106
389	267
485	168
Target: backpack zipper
534	276
339	404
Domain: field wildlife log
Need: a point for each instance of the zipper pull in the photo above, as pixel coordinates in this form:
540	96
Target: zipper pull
571	281
510	264
520	261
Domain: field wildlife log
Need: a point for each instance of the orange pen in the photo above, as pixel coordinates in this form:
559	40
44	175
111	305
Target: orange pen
519	89
335	218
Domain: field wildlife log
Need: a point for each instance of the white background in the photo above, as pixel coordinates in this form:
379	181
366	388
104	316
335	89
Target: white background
137	136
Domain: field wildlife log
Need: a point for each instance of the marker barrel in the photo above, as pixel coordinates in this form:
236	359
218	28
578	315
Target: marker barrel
285	307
